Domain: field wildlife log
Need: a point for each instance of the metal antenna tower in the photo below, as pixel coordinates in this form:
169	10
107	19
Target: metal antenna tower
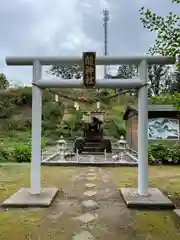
105	24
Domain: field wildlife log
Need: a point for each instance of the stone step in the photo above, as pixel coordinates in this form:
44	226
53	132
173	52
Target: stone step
92	153
92	144
93	149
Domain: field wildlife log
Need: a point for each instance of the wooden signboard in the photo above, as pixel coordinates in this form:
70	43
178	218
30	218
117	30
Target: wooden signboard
89	69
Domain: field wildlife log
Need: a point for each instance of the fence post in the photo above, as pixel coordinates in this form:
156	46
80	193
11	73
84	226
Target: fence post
77	155
105	157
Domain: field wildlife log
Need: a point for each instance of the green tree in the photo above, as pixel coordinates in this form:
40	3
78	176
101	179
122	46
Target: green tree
167	98
159	79
176	1
4	84
168	32
167	43
124	72
66	71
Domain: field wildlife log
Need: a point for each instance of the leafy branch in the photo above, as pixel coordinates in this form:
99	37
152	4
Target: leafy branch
167	28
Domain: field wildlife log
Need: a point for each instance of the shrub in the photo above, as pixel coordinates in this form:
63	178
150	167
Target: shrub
161	154
5	155
72	127
18	125
176	153
158	152
43	144
167	98
112	128
22	153
52	115
52	110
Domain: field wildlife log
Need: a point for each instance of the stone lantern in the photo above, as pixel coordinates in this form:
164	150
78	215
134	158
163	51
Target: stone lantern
98	105
62	145
76	106
56	98
122	144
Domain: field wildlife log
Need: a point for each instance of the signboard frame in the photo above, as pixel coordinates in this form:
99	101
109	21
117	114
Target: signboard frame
89	69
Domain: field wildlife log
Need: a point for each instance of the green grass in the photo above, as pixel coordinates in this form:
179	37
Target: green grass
168	143
153	224
27	224
165	178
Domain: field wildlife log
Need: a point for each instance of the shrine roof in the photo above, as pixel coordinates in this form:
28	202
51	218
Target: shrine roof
151	108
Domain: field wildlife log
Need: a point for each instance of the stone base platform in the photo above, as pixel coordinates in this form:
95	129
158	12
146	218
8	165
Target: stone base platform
23	198
155	200
88	163
177	212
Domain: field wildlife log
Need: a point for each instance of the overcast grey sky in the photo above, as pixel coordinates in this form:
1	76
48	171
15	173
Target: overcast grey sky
68	27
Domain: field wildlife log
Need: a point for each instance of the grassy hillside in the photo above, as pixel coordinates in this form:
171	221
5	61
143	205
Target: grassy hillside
57	118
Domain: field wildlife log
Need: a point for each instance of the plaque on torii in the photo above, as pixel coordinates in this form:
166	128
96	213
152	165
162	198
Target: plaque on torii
89	69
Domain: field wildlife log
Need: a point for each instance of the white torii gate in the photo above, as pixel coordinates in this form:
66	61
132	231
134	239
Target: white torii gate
140	83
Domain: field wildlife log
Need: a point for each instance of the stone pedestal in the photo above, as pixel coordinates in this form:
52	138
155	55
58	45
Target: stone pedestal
155	200
23	198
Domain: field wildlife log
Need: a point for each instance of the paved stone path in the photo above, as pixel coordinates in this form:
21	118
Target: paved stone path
94	205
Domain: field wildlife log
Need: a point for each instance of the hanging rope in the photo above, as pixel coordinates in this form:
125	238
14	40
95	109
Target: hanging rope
91	101
78	99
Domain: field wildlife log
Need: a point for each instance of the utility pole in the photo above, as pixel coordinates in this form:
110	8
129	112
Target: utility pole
105	24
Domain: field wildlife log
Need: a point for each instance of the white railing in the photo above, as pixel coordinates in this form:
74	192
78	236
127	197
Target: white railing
54	155
123	155
132	154
131	157
45	157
